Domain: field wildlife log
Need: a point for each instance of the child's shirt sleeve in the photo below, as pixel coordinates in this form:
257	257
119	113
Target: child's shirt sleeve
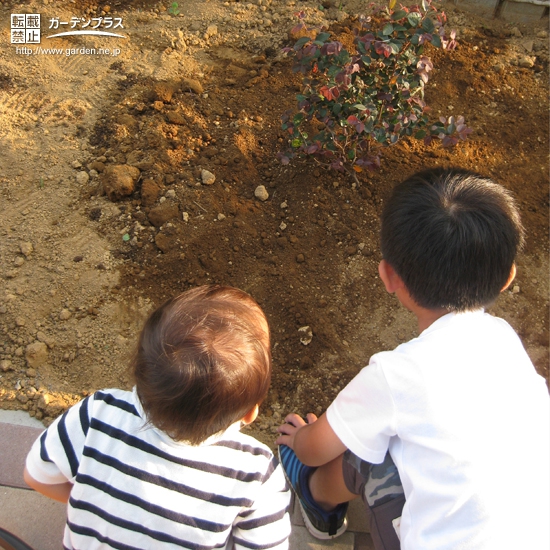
55	456
363	414
266	524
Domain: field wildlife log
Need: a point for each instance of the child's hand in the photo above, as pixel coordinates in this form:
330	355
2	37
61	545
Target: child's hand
293	423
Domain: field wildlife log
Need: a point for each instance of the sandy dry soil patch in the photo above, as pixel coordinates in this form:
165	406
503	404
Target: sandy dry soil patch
199	93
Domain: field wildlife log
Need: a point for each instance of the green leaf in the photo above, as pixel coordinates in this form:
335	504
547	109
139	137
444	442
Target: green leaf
296	142
302	41
428	25
322	37
395	48
388	29
414	19
436	41
336	108
359	107
399	14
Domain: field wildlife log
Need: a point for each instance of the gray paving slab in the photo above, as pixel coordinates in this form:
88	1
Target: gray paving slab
357	518
15	443
300	539
36	519
363	541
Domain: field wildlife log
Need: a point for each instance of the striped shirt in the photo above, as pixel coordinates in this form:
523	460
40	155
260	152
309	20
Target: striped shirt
136	488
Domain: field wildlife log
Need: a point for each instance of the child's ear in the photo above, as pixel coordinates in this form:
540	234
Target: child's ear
511	277
389	277
251	415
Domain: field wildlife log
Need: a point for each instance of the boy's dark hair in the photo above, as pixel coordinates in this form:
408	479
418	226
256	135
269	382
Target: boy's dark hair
203	361
452	236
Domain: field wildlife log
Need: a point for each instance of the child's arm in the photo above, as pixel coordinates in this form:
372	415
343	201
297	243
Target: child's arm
58	491
314	443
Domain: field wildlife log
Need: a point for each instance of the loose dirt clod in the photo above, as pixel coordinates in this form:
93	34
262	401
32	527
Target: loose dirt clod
120	181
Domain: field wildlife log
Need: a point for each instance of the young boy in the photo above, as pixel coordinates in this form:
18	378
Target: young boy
165	465
454	424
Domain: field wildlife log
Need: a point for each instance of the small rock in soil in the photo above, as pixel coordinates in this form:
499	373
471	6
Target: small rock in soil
306	335
82	178
26	249
526	62
6	365
64	314
261	193
207	177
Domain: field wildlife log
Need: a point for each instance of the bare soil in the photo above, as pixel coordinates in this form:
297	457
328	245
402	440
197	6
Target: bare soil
80	272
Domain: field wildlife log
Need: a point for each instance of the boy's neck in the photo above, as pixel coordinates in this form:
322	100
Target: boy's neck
426	317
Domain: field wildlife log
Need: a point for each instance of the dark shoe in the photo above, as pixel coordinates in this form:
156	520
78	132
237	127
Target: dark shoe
321	524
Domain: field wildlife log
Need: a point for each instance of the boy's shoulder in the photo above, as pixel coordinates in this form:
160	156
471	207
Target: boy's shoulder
456	335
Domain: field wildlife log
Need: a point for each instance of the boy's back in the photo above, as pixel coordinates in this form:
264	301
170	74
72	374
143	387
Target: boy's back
459	413
471	418
135	485
165	466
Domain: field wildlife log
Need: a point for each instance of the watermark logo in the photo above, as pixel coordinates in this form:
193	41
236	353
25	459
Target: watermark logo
25	27
97	26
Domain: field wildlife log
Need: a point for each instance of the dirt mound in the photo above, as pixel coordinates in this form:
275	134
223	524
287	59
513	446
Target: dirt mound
179	131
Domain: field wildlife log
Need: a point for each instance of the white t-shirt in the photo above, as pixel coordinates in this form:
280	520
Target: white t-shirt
465	418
